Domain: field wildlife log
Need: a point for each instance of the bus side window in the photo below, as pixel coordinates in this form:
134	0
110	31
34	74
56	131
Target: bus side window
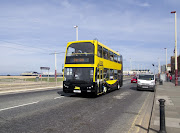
115	74
111	56
119	74
108	73
111	77
115	57
105	73
118	59
121	59
105	53
99	51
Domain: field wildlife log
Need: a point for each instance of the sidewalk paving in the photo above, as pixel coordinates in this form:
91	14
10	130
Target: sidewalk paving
171	94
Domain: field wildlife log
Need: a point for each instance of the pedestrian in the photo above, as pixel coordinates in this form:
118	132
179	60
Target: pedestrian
170	78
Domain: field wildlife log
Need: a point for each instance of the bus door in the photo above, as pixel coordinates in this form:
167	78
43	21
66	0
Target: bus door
100	79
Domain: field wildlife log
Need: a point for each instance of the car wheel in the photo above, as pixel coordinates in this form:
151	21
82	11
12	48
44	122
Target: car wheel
137	88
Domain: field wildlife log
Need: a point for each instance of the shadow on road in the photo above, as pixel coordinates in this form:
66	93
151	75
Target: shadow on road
87	95
146	128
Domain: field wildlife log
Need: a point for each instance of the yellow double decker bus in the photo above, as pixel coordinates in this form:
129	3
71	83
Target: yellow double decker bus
91	67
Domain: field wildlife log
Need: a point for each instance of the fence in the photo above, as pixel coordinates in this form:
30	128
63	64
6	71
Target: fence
27	82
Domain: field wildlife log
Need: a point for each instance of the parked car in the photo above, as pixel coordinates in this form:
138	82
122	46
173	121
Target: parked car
146	82
134	80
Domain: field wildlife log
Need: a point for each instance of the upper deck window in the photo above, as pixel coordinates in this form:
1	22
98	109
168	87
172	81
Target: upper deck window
99	51
115	57
105	53
111	56
78	49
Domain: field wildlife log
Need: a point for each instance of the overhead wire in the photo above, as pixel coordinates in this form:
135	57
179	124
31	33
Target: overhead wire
36	48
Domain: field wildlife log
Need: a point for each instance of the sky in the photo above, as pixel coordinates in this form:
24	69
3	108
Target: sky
31	30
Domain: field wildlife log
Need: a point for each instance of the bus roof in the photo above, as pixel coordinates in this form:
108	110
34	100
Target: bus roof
92	41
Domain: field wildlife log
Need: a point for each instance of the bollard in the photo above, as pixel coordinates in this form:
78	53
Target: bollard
162	116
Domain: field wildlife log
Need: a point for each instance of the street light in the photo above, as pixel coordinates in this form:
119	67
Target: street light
166	59
55	74
76	32
159	66
175	56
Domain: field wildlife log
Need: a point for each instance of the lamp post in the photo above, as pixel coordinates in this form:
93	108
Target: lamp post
166	59
166	65
154	68
55	73
175	54
76	32
159	66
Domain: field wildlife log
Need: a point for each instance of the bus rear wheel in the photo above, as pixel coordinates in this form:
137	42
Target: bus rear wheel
118	86
104	89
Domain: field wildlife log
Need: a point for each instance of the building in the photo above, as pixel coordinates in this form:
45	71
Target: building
168	67
136	72
173	64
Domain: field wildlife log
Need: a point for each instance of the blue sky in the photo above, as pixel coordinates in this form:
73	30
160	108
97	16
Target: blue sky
32	29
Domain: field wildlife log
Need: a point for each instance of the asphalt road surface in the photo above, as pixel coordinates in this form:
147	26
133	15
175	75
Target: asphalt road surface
120	111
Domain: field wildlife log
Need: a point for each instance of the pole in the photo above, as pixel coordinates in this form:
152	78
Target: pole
159	67
130	65
76	32
176	69
175	53
48	76
166	66
166	60
162	116
55	68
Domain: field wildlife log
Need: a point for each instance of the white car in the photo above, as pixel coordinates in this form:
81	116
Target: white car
146	82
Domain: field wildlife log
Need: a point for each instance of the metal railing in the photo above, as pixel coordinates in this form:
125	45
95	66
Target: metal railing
28	83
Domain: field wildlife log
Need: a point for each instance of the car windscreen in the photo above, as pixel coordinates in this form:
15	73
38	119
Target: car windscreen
146	77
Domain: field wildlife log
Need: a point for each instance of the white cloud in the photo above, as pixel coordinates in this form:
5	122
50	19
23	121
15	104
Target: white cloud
144	4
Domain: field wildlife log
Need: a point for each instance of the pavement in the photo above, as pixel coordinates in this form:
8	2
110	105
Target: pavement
171	93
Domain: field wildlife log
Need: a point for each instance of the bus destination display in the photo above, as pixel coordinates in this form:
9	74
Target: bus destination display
75	60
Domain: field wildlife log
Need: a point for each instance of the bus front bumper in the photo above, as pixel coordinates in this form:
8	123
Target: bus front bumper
78	88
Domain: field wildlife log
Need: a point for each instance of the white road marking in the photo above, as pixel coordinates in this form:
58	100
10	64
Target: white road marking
18	106
58	97
122	95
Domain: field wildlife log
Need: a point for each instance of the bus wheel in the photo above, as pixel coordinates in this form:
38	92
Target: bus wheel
118	86
104	90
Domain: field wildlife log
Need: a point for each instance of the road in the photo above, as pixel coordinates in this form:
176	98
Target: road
120	111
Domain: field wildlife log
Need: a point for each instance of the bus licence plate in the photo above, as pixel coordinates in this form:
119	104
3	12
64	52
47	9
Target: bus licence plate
77	91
